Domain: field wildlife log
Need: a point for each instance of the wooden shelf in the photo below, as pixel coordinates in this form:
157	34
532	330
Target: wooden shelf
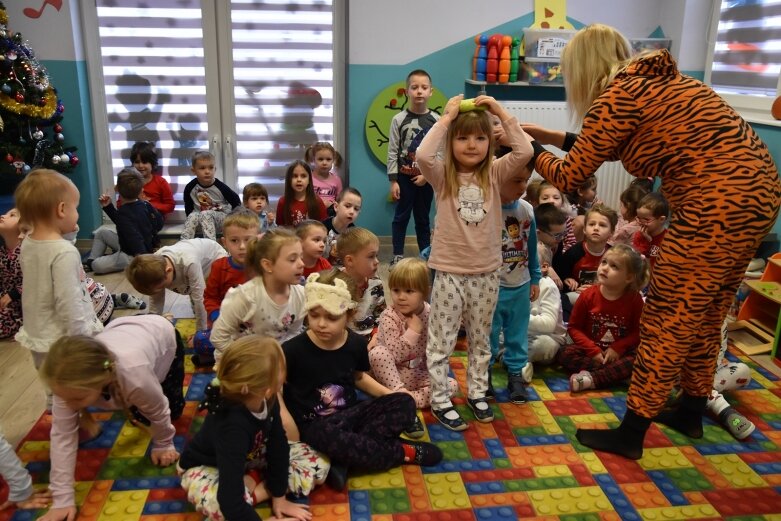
768	289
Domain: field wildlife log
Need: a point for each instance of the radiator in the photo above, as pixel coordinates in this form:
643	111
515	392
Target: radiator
612	179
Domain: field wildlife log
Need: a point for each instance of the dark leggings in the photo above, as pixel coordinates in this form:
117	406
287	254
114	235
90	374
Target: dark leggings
573	359
365	436
172	385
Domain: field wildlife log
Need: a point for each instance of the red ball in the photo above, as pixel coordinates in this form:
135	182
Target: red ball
57	127
19	97
9	158
74	161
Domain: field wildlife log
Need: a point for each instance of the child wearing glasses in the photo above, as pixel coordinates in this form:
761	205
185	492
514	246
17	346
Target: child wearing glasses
551	230
652	212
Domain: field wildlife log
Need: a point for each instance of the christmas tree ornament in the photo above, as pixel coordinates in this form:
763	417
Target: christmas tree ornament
26	168
74	161
38	134
65	158
6	89
55	159
19	97
11	55
60	138
9	158
57	127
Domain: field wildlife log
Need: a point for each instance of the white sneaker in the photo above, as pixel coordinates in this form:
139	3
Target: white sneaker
396	258
527	373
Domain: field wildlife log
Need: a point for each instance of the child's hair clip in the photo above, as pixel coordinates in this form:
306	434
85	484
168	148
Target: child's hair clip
468	105
107	365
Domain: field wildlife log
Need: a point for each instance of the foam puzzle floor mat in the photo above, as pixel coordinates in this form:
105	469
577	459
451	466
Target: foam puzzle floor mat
527	464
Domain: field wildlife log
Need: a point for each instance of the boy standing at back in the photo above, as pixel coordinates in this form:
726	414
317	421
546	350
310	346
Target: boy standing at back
207	200
408	187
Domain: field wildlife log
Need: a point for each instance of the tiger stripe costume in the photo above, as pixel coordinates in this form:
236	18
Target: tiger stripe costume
723	188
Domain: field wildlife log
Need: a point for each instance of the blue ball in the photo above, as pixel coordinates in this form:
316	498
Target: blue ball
6	88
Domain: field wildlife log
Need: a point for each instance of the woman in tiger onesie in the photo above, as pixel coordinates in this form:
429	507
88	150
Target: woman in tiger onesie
724	190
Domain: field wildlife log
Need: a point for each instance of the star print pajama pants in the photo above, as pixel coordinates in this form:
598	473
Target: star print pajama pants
453	297
307	469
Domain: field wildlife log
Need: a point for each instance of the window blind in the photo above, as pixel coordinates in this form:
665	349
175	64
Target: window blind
747	52
279	72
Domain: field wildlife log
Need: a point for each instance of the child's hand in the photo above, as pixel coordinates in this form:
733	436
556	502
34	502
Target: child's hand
38	499
104	200
419	180
571	284
372	343
609	356
190	340
644	232
142	196
59	514
271	217
582	288
395	190
164	457
284	509
534	292
415	323
5	300
600	359
450	112
493	106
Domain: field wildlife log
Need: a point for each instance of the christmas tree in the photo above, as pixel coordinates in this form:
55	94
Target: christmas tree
31	134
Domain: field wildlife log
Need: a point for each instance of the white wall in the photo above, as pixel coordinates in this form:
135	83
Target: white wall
54	35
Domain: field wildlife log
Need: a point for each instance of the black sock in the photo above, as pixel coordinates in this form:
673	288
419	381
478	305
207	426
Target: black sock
625	440
687	417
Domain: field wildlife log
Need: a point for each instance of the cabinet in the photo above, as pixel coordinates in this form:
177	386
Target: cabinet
758	327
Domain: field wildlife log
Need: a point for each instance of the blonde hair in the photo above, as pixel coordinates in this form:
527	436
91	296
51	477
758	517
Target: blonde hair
146	271
590	62
353	240
303	229
544	255
200	155
78	362
39	194
637	265
410	273
268	247
251	363
246	220
468	123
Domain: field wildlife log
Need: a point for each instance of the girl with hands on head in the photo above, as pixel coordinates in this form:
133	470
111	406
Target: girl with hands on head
466	250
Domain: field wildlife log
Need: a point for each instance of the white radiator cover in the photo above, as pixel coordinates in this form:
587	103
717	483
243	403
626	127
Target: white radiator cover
612	179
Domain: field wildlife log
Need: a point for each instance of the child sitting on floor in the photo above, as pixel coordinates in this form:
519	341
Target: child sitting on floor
239	229
605	322
346	209
240	456
358	248
255	198
313	236
547	332
207	200
272	303
326	365
398	360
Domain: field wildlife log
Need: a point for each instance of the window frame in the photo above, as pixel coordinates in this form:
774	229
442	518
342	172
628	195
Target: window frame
222	22
754	109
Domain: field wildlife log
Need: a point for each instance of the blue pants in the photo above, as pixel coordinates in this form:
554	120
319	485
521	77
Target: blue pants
415	200
512	317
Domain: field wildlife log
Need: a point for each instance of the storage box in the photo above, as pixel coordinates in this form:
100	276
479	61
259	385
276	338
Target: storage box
649	44
539	71
545	43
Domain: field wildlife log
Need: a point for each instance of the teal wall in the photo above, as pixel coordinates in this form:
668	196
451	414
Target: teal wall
70	80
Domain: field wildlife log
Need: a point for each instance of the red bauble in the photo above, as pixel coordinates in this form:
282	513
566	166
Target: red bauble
74	161
9	158
19	97
57	127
